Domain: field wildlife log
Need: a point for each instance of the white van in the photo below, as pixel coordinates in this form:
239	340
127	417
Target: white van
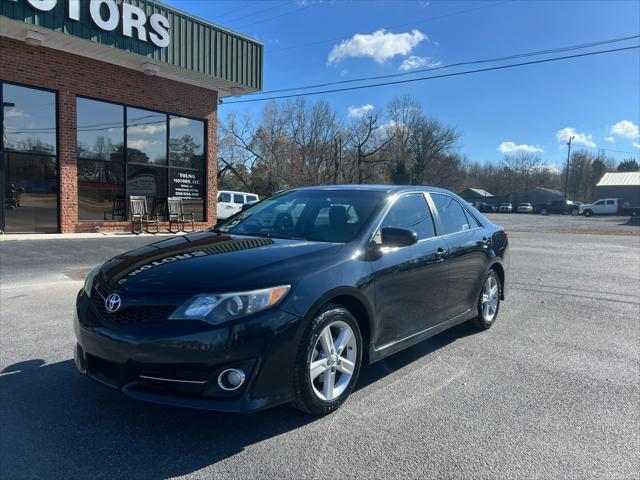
230	202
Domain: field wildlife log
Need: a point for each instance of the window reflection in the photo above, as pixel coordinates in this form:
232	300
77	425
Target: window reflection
150	182
29	120
31	193
100	190
146	137
100	130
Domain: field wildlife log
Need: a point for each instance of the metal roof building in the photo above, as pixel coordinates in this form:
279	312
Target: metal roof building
623	185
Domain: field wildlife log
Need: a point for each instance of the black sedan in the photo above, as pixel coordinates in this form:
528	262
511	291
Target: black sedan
286	301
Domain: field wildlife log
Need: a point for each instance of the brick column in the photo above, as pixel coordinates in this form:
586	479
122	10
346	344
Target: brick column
212	164
68	161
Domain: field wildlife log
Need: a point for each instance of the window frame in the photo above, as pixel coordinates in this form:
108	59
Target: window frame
168	115
56	95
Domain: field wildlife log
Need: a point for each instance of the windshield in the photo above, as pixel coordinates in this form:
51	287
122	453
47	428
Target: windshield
317	215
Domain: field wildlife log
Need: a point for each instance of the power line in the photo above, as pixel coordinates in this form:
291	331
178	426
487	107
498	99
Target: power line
268	19
416	22
457	64
445	75
242	17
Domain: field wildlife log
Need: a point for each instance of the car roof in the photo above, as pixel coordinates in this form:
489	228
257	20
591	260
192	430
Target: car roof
390	189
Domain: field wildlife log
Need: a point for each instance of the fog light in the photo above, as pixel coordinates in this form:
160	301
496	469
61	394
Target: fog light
231	379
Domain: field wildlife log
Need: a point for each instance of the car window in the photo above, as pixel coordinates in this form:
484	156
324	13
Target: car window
224	197
238	198
411	212
599	202
251	198
324	216
451	213
610	202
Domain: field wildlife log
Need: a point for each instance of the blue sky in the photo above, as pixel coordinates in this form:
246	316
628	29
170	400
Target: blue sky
526	108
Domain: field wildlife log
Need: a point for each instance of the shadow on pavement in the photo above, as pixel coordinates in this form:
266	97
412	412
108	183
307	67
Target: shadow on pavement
57	424
632	222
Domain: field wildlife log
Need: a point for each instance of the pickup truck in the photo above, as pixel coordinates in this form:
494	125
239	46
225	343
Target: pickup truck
565	207
608	206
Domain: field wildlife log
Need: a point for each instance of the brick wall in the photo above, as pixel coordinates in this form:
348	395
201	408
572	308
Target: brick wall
72	75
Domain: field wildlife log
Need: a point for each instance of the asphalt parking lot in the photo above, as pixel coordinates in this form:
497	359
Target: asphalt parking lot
551	391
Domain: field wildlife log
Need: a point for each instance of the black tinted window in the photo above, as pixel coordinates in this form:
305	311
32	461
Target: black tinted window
411	212
238	199
224	197
451	214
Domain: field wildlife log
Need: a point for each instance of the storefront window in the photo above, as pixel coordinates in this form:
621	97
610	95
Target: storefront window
100	127
146	137
186	163
28	160
150	166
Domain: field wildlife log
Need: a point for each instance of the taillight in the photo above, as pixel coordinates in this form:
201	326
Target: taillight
506	235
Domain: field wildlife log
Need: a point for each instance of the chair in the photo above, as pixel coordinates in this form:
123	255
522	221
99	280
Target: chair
178	216
117	210
139	214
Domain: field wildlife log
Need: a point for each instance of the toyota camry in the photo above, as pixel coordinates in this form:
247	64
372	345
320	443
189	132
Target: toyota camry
287	300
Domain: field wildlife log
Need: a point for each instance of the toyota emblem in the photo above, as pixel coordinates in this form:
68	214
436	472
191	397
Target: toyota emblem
113	303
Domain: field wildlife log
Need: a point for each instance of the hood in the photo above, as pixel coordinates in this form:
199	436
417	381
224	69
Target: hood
213	262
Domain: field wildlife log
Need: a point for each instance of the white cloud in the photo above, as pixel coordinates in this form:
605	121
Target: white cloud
361	111
512	147
609	139
138	144
413	62
379	46
179	122
147	129
580	138
625	128
15	113
636	145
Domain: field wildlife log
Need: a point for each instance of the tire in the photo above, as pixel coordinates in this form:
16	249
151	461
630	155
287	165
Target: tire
487	315
588	213
310	394
544	211
575	212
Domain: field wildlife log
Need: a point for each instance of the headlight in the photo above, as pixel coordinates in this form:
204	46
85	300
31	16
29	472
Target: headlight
88	282
220	308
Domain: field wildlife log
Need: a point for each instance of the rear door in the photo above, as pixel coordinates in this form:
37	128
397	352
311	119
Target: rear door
611	206
410	282
468	244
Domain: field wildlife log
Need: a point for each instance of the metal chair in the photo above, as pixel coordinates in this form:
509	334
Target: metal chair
178	216
139	214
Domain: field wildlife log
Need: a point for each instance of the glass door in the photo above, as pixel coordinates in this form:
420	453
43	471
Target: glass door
28	160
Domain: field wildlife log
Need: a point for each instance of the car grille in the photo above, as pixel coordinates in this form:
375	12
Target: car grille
132	314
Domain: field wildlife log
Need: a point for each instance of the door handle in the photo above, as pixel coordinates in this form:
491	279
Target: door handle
441	252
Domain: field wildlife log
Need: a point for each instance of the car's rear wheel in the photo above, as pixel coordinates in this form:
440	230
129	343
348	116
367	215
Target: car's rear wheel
328	361
489	301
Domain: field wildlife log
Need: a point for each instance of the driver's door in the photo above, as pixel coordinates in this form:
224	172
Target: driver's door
410	282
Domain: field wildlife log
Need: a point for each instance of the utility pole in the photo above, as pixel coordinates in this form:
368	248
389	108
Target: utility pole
566	175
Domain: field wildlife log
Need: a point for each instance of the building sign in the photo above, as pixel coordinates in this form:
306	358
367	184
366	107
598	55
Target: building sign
185	183
105	14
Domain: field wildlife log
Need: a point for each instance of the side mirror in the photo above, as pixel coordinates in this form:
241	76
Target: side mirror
398	237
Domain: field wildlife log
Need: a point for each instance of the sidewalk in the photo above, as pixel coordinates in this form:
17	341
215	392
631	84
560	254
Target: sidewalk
9	237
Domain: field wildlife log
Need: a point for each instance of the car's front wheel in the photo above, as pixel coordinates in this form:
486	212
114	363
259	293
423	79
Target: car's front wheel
588	213
328	361
489	301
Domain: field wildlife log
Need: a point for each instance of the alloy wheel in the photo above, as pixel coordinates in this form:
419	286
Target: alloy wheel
490	298
333	361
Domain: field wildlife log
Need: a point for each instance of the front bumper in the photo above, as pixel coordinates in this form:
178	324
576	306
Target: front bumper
178	362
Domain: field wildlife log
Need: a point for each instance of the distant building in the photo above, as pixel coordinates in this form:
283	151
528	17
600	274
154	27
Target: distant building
475	195
623	185
537	195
